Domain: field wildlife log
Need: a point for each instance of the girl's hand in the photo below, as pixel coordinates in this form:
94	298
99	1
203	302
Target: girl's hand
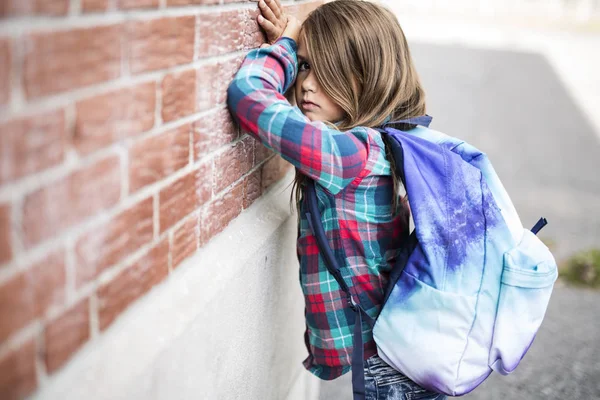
272	19
276	23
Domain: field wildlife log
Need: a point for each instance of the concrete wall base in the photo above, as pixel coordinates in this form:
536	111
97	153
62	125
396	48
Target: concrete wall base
228	324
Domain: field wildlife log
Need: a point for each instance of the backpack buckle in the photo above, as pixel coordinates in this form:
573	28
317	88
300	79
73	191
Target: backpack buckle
351	302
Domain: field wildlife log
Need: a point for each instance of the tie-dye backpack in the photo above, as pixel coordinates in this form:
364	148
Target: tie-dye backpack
471	287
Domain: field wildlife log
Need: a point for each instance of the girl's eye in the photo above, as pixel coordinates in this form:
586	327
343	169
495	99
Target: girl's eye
303	66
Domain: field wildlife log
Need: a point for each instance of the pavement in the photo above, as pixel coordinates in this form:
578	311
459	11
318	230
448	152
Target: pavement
531	101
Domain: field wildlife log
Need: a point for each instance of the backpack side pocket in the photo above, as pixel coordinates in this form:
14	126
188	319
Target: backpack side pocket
528	276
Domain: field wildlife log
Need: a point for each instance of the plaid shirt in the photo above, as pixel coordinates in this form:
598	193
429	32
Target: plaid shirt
354	189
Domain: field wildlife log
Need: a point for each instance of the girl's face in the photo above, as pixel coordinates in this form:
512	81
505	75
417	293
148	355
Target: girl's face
313	101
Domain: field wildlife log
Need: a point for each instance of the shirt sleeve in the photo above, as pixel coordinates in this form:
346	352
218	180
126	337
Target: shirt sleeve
255	98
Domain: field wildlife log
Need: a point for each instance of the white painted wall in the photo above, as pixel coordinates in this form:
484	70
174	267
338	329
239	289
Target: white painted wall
227	325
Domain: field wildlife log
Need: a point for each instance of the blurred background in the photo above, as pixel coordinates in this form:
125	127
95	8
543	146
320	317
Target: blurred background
520	80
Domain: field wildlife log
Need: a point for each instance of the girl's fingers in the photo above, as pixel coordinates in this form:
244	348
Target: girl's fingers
267	25
275	7
267	12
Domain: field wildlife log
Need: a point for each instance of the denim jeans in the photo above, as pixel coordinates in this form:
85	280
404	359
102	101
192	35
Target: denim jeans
383	382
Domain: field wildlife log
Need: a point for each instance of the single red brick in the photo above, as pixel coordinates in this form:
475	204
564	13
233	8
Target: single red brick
261	153
31	293
17	372
157	157
128	4
274	170
34	7
132	283
178	95
94	5
5	230
161	43
185	241
104	246
60	61
234	163
32	144
5	61
212	132
69	201
221	212
252	188
66	334
16	305
184	196
112	116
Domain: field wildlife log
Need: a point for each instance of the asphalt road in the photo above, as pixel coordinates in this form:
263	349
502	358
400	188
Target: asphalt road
514	107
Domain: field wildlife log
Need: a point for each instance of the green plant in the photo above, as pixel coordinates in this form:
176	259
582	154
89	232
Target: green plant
583	268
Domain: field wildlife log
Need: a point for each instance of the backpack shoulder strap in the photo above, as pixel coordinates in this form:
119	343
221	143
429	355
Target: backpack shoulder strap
313	217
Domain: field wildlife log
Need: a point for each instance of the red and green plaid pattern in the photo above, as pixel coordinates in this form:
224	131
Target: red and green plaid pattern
355	195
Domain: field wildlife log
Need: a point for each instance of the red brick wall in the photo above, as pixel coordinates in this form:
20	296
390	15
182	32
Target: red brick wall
118	160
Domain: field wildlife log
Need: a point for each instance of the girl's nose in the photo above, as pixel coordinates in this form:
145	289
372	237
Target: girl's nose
309	84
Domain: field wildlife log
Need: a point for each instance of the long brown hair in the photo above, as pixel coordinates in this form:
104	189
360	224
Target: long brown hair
361	60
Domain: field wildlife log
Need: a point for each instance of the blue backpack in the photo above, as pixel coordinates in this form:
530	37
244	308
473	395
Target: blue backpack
471	287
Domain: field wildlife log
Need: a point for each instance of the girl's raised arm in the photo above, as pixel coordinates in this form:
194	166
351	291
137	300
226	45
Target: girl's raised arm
255	98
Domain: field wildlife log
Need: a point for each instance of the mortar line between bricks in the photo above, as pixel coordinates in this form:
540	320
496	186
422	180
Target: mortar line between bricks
19	338
70	269
158	121
94	320
40	362
156	215
17	95
74	7
59	100
196	38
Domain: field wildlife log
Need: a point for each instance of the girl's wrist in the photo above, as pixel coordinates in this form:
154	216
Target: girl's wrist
292	28
291	40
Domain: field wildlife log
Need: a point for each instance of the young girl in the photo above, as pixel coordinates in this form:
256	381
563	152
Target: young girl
352	71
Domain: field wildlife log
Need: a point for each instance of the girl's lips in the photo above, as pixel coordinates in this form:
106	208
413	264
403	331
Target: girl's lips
307	105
